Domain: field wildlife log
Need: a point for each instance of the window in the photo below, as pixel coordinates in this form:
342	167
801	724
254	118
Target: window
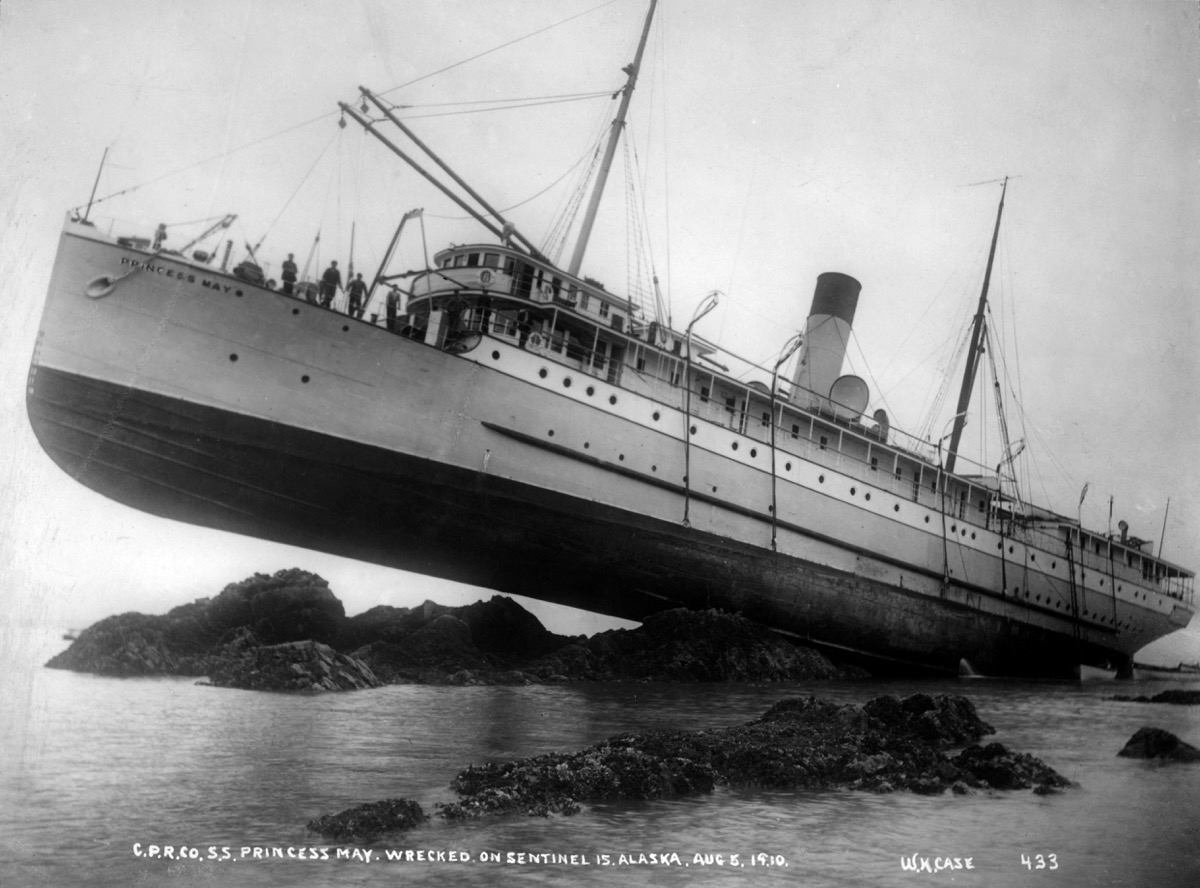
583	300
766	419
795	430
491	260
473	260
704	393
824	442
603	309
460	260
874	464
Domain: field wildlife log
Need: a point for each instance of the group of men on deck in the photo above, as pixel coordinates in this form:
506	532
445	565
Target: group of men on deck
331	282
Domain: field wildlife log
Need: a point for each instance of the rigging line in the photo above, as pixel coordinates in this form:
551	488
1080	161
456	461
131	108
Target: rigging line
221	156
495	48
538	104
533	197
296	191
587	95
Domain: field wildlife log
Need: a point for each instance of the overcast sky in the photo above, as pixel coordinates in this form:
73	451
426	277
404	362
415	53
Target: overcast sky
775	140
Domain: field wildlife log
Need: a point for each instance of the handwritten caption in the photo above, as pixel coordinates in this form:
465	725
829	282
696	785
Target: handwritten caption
229	853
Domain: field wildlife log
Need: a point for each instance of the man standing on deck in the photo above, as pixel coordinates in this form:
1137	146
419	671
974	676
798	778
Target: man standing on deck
289	274
331	282
393	305
357	291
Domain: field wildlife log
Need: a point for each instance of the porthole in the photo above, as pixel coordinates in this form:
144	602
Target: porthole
612	399
853	490
926	519
954	528
692	430
304	379
233	357
972	535
551	433
495	356
345	328
714	490
621	457
787	467
1032	556
591	390
1053	564
1010	550
964	531
295	311
656	415
239	292
753	453
566	382
735	445
541	373
896	508
654	468
867	496
820	479
586	445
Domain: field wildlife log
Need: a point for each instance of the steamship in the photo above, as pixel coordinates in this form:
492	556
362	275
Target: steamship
518	427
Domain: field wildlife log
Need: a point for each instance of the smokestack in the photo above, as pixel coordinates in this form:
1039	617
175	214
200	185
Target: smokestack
825	338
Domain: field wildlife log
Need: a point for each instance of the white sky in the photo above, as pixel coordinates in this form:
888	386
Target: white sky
783	138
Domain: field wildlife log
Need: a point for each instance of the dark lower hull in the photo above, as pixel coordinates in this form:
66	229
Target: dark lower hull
259	478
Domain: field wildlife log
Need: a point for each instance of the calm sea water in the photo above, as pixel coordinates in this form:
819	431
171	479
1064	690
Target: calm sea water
103	766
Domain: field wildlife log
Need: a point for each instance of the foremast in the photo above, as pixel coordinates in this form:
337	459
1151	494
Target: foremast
964	394
614	136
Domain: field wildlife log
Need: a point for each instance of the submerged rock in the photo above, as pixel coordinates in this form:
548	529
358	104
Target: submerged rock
365	823
804	743
1155	743
1176	696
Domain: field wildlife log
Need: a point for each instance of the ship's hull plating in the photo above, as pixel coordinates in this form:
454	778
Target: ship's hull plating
199	398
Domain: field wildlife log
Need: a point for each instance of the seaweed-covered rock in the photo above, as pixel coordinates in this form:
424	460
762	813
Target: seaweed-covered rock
1155	743
293	666
802	743
365	823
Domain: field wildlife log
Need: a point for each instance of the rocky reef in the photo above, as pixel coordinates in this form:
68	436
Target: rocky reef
886	745
288	631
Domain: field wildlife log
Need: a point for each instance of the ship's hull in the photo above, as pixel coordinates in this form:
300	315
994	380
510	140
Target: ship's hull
210	401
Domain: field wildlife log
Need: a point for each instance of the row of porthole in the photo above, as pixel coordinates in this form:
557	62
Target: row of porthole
233	359
1059	605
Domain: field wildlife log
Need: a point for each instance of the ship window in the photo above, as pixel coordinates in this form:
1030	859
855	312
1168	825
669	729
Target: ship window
583	301
509	264
445	263
874	464
795	430
473	260
704	393
491	260
766	419
618	322
460	260
824	442
641	363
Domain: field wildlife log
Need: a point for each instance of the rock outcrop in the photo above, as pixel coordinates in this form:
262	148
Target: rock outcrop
290	632
292	666
1155	743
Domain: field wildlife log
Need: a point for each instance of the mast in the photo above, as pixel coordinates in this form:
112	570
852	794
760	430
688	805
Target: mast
614	135
964	394
96	184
